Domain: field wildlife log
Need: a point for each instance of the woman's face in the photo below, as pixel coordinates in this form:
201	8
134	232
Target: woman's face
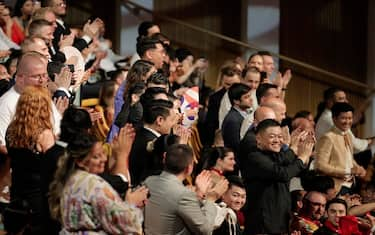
95	161
227	163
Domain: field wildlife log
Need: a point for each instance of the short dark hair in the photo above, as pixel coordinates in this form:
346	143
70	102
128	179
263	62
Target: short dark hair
262	53
144	27
230	71
236	91
311	181
235	180
156	108
146	43
337	201
75	121
182	54
36	25
158	79
302	114
266	123
263	89
151	93
178	157
341	107
330	92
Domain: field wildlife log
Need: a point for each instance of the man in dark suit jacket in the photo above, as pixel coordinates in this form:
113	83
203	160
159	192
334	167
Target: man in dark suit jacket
229	76
248	142
90	30
240	98
158	117
269	171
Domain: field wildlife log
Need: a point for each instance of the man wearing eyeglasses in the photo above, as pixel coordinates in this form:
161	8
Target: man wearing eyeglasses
309	218
90	30
31	71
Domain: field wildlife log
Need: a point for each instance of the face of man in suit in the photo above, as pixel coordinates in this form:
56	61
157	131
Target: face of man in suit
59	7
344	121
245	101
165	124
270	139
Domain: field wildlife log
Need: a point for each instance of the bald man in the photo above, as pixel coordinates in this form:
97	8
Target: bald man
31	71
278	106
248	142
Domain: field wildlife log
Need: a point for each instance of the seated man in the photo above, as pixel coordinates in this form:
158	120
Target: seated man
175	209
334	150
308	219
234	198
269	171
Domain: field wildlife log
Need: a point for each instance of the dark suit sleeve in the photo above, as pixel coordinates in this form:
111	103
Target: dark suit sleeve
263	168
212	122
231	132
80	43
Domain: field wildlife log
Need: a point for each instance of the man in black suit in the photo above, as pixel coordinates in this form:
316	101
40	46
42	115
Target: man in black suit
240	98
90	30
269	171
229	75
248	142
158	117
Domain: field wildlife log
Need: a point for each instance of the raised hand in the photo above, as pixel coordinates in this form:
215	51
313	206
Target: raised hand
202	183
218	190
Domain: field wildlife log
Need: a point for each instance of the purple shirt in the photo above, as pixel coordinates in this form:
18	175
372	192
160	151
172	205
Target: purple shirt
119	101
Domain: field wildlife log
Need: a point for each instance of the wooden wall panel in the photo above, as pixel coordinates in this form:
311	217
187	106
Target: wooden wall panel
211	15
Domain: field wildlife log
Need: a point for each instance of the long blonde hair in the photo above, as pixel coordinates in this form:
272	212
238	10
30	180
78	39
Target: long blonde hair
33	115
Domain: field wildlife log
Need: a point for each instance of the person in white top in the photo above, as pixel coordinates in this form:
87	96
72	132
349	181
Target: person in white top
31	71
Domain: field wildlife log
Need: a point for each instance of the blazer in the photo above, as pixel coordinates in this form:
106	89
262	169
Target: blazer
231	129
174	209
212	118
267	179
333	157
78	43
141	162
247	145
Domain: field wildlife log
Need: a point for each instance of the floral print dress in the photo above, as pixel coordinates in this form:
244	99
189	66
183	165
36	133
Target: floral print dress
89	205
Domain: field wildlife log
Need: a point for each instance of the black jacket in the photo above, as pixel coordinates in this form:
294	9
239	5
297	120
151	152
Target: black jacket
267	184
212	118
141	162
231	130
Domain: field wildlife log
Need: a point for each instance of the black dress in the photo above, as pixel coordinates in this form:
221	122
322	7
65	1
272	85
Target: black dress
26	187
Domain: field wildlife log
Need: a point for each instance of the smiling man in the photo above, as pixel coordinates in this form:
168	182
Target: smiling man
269	171
334	150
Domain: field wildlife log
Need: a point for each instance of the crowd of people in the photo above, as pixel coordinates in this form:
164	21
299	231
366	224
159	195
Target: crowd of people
96	143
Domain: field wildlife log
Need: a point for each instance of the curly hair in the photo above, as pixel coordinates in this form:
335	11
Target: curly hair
32	116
